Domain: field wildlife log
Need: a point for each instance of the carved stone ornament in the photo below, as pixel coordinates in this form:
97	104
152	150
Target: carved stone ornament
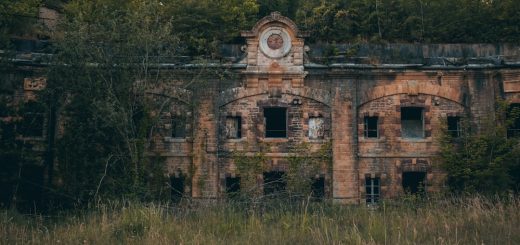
275	42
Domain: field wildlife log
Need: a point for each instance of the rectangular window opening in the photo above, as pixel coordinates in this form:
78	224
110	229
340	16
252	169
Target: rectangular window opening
373	190
513	114
32	124
274	183
232	186
412	122
178	127
454	128
371	127
233	127
316	128
275	122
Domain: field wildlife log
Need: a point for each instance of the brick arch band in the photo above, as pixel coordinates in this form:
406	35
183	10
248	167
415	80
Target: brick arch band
449	93
234	94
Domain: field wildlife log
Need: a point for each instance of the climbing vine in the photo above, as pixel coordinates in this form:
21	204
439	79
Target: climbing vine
249	167
304	164
484	161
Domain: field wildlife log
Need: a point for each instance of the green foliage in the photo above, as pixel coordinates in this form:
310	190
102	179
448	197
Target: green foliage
486	161
17	17
445	221
443	21
249	167
204	25
304	164
15	150
106	117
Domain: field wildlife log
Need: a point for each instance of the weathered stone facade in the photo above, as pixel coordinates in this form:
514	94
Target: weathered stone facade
380	119
338	98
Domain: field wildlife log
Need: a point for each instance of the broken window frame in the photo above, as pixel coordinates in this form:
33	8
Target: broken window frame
368	130
454	126
372	190
406	132
238	129
320	135
275	133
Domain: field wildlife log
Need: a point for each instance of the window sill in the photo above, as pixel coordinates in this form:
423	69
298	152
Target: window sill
418	140
234	140
173	140
317	140
374	140
274	140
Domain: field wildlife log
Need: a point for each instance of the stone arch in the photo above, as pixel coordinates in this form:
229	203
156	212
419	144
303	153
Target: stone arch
234	94
412	88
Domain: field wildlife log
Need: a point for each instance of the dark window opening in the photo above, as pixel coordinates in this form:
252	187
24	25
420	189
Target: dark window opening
371	127
178	127
318	188
233	127
30	191
454	128
232	186
275	122
274	182
32	124
412	124
372	190
177	188
414	183
513	114
8	172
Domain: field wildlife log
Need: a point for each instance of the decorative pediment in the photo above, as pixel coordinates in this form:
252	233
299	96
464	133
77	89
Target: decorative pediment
275	49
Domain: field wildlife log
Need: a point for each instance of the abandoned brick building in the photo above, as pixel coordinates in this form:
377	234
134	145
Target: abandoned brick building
378	107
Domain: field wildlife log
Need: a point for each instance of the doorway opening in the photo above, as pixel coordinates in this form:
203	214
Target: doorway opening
177	188
414	183
318	188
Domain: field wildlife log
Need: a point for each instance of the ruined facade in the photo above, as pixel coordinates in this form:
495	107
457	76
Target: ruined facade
377	118
380	120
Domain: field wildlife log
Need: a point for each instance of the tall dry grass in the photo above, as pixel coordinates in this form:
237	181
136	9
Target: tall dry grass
473	220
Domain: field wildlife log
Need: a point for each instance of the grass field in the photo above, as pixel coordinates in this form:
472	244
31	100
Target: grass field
447	221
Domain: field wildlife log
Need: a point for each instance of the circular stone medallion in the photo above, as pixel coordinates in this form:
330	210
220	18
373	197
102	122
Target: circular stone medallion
275	42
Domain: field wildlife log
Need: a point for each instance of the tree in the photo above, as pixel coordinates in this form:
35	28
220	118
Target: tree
204	25
485	162
107	56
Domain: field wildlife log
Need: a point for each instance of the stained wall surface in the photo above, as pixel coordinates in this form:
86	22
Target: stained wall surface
325	102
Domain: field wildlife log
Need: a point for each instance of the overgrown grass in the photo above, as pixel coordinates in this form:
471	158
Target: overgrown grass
449	221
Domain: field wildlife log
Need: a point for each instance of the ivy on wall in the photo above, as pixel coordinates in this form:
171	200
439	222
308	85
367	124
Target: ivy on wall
485	161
